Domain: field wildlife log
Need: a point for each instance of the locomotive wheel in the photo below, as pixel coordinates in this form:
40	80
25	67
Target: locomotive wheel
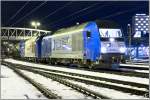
90	66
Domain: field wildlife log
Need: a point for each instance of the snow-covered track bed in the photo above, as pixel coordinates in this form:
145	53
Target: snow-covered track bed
98	70
119	71
58	79
41	88
124	86
123	71
135	66
63	73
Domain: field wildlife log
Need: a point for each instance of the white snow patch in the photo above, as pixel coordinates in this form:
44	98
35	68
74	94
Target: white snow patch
57	88
14	87
134	65
135	70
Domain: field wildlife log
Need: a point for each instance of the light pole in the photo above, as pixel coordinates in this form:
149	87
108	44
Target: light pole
129	32
35	24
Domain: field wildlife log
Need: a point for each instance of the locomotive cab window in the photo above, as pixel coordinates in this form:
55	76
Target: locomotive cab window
88	34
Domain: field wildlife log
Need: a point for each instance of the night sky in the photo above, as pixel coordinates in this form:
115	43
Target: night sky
58	14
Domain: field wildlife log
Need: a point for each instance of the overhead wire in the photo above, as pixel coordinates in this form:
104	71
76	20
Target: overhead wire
119	13
112	15
29	13
74	13
83	14
56	10
11	18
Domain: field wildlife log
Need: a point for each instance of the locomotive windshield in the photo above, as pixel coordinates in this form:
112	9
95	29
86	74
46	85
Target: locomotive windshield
110	33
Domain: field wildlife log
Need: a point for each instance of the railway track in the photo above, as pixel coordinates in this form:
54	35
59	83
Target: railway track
62	81
91	77
110	71
92	80
124	72
130	67
46	92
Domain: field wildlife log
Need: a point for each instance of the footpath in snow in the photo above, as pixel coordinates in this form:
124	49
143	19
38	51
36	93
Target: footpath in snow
15	87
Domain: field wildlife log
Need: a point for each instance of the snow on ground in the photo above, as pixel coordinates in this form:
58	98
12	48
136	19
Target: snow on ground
134	65
111	93
105	82
139	61
105	75
57	88
14	87
142	71
135	70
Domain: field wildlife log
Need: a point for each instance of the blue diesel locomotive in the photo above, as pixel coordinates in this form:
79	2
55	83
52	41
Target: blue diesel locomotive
80	45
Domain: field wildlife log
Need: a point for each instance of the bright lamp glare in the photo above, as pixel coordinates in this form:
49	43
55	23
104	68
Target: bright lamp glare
103	50
111	39
33	23
122	49
38	24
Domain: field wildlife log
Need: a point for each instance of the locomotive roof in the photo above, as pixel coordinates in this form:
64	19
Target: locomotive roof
76	27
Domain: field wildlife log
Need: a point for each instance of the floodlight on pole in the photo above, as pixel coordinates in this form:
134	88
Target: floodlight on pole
38	24
77	23
35	24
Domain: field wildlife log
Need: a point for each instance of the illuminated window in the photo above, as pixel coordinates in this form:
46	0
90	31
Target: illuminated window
136	29
136	19
147	29
142	19
147	24
139	26
136	24
146	18
144	26
139	21
137	34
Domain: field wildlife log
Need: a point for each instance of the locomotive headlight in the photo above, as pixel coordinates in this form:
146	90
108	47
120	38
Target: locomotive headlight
103	50
122	49
111	39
